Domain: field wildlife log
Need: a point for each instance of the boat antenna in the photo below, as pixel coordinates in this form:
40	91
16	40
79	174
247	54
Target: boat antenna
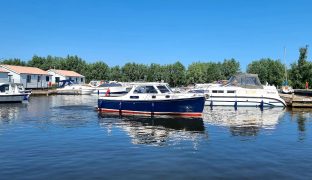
284	57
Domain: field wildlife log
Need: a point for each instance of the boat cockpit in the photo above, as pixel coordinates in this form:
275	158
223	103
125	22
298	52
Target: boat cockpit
151	89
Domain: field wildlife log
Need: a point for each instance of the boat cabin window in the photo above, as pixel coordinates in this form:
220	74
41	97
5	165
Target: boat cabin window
230	91
217	91
4	88
163	89
145	89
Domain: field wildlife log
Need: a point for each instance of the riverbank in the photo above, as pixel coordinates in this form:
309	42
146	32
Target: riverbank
294	100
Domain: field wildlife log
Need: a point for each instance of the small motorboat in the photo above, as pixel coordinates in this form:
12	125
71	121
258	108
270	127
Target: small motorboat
112	88
242	90
11	92
153	99
287	90
69	88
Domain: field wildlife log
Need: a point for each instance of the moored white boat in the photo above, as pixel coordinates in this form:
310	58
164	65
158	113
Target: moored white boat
111	88
244	90
153	99
287	89
11	92
69	88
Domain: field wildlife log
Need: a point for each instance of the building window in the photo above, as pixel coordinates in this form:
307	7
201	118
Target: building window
39	78
76	79
57	79
28	78
47	78
81	79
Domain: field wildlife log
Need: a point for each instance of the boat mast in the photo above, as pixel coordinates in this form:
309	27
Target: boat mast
285	65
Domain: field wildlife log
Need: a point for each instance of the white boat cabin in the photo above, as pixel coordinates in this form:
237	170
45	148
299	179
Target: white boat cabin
149	91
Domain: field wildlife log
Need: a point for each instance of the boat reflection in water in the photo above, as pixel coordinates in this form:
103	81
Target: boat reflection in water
158	131
244	121
10	112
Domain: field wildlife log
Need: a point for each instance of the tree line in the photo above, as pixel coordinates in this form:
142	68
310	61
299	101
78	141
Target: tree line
275	72
175	74
269	70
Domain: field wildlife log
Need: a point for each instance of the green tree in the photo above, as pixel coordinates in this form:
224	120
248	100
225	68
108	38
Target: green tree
196	73
154	73
176	74
97	71
229	68
214	72
134	72
15	61
115	73
300	72
268	70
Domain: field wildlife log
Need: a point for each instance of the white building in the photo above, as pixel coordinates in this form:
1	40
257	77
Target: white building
30	77
59	75
4	78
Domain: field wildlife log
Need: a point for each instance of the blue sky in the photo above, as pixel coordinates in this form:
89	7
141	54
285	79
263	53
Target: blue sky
158	31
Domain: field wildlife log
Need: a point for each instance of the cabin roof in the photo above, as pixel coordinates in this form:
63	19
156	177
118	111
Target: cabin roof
66	73
24	69
149	83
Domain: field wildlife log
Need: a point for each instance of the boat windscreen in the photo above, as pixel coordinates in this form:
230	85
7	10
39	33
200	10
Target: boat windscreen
163	89
245	81
110	85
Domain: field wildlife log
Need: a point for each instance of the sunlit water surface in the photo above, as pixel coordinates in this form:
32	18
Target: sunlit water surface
63	137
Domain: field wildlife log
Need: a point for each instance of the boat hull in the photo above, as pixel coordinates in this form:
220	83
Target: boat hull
177	107
13	98
74	91
245	101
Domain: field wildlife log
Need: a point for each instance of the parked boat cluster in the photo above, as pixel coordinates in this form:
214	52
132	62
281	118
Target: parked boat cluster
154	98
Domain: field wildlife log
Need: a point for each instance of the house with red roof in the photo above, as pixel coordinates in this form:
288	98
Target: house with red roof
59	75
4	78
30	77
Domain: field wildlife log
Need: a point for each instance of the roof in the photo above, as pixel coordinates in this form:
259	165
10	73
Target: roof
24	69
3	70
66	73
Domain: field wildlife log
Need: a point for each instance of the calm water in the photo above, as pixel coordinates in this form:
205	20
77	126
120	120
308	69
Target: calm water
62	137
